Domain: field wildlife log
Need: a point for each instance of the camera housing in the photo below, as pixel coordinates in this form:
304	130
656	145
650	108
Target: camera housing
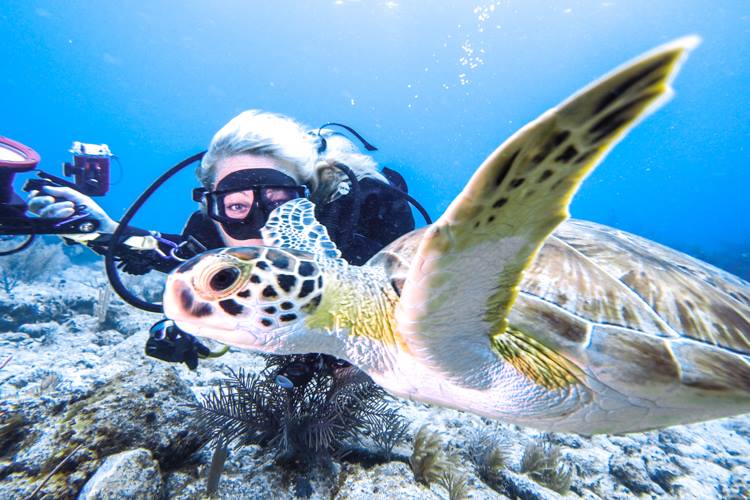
90	172
90	168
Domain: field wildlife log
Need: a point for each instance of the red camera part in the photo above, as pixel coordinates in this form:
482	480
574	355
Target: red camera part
16	156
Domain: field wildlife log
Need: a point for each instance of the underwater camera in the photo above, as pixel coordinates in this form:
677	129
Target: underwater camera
90	171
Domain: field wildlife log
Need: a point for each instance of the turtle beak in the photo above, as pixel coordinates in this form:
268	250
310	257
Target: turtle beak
182	304
178	300
194	316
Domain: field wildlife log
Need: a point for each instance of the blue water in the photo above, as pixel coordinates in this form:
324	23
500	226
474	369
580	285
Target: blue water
436	87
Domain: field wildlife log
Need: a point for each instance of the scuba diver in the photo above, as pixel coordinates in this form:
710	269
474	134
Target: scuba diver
256	162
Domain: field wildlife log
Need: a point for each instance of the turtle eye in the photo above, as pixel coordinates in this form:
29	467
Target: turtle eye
224	278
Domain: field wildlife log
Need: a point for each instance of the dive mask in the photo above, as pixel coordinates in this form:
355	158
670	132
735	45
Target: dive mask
244	199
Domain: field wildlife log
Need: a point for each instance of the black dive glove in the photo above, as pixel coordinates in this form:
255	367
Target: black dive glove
169	343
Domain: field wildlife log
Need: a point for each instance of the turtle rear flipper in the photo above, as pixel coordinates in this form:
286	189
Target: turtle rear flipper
466	274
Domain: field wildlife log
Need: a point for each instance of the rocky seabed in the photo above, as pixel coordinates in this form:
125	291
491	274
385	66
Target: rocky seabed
84	414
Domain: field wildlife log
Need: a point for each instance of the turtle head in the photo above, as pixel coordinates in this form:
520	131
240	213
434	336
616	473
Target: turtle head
250	297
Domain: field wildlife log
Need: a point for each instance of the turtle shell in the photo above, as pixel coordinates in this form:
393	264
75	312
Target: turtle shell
606	276
609	276
395	259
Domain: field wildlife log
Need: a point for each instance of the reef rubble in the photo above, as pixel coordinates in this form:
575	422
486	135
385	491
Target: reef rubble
85	414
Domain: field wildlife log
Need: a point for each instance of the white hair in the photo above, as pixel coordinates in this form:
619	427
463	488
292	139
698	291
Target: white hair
277	136
262	133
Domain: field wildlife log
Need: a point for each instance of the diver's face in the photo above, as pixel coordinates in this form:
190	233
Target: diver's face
239	204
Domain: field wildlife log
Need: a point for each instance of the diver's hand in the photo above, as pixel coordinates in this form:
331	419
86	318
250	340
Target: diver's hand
60	202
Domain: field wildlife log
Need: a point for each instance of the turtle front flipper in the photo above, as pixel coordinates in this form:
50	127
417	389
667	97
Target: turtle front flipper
293	226
466	273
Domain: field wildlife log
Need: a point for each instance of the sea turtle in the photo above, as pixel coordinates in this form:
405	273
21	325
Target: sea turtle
588	330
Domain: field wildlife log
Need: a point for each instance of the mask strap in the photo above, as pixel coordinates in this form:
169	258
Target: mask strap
323	144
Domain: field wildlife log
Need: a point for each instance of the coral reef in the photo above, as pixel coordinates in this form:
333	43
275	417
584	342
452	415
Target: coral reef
79	398
328	415
455	483
543	463
427	461
325	417
489	452
37	262
430	464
